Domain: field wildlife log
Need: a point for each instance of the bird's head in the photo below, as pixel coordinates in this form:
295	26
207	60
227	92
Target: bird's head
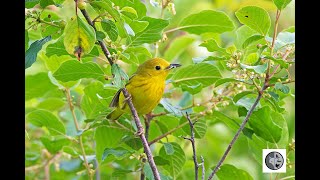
156	67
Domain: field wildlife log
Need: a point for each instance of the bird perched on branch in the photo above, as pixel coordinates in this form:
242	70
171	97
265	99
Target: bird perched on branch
146	87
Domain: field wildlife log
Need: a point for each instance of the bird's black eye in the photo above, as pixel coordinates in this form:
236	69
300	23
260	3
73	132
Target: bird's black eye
158	67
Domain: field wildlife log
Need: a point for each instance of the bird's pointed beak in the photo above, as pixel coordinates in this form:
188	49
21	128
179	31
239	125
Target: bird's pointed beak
171	66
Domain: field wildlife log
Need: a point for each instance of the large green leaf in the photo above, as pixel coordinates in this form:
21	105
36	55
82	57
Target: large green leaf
243	33
177	46
54	144
138	26
230	172
212	46
110	28
263	125
207	21
139	7
251	40
203	73
151	33
30	3
37	85
44	118
120	78
200	127
149	174
110	154
32	52
73	70
51	104
281	4
45	3
79	37
255	17
106	137
177	159
96	99
56	48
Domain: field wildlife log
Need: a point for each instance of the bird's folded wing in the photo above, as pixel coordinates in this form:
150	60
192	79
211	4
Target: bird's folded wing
115	100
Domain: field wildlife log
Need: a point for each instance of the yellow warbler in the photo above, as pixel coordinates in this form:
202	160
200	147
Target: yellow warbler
145	86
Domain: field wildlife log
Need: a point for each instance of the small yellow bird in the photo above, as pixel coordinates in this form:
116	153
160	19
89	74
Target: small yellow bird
146	87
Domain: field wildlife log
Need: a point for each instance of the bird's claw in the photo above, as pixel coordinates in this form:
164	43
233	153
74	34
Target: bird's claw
127	98
138	133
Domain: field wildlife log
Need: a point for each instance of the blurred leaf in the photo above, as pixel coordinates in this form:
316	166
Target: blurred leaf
259	68
206	21
100	35
169	107
32	52
30	3
106	137
178	46
69	165
148	173
161	161
120	78
192	75
256	144
44	118
255	17
134	143
242	34
192	89
247	102
54	144
251	40
151	33
262	123
290	29
70	150
129	12
129	29
120	173
138	50
110	28
225	80
283	88
200	127
45	3
177	159
274	105
136	4
274	95
37	85
117	153
138	26
168	148
54	32
241	95
56	48
230	172
281	4
79	37
251	59
51	104
26	40
281	62
242	111
73	70
212	46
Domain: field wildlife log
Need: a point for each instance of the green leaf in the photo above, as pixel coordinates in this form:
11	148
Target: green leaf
138	26
255	17
203	73
120	173
129	12
100	35
79	37
168	148
138	50
135	4
106	137
281	4
151	33
290	29
134	143
73	70
212	46
70	150
251	59
259	68
149	174
120	78
118	153
44	118
256	145
56	48
110	28
242	111
241	95
247	102
30	3
176	160
281	62
54	144
96	99
243	33
230	172
37	85
45	3
54	32
129	30
192	89
51	104
225	80
283	88
206	21
178	46
251	40
32	52
161	161
26	40
200	127
262	123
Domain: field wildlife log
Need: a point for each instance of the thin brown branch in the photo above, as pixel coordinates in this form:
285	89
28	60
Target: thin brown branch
141	134
101	43
285	55
99	16
286	82
239	131
203	168
167	133
275	31
191	139
69	99
49	23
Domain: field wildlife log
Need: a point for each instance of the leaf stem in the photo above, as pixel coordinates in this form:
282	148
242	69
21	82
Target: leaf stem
48	23
275	31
